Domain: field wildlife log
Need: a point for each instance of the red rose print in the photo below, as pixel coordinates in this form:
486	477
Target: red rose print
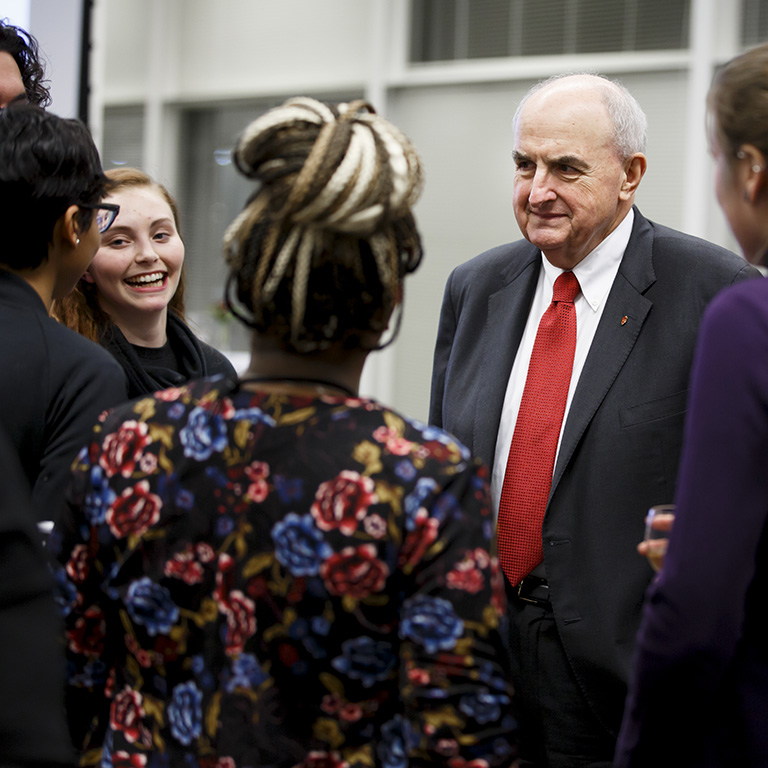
170	394
468	580
319	759
393	442
258	490
126	713
78	565
122	449
184	566
419	539
288	655
205	552
341	502
122	759
134	511
241	621
87	635
467	575
355	571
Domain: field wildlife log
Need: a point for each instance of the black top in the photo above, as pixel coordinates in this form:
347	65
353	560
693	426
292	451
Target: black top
53	386
182	358
33	729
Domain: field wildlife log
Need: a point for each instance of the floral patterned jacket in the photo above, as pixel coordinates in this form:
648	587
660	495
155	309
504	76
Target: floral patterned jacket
251	579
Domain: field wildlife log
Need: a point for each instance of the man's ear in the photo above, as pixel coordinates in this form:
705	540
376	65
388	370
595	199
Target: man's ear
634	170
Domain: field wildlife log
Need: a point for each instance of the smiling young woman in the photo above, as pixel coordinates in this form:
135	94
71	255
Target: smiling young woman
131	299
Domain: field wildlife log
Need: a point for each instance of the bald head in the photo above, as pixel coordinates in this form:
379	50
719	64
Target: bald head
628	121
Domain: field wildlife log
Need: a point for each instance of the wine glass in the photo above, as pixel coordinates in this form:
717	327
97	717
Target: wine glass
658	523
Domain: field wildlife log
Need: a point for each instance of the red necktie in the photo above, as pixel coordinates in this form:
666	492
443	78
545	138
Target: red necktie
531	460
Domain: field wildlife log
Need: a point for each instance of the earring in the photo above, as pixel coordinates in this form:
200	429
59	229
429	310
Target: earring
755	168
77	242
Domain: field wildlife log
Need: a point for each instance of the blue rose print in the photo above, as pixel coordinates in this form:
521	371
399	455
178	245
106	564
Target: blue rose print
425	487
202	673
98	498
255	415
365	659
176	411
397	740
246	673
447	506
205	433
483	707
150	604
405	470
299	545
65	593
288	488
93	673
431	622
185	712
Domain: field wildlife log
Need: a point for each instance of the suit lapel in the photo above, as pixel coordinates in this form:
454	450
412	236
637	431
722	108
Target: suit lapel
507	315
613	340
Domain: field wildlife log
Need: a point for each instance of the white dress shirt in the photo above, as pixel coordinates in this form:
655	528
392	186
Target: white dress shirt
595	273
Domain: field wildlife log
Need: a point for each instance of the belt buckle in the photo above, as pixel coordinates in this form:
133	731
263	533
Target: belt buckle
527	585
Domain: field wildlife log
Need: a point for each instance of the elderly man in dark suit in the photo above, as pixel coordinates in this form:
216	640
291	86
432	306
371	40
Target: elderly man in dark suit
563	362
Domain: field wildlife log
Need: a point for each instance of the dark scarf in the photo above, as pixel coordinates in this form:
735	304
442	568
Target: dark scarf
145	378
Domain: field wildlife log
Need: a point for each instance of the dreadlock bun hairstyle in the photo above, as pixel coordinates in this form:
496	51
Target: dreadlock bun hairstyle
318	255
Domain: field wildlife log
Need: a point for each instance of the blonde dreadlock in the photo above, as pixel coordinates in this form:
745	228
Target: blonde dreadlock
319	252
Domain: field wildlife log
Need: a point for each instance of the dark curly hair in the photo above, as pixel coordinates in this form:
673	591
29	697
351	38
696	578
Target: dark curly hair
25	52
319	253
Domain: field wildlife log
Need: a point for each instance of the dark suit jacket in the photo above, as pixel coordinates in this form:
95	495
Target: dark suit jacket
33	729
54	383
622	438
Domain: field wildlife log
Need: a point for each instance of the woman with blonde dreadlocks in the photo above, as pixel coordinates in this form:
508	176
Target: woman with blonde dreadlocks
277	571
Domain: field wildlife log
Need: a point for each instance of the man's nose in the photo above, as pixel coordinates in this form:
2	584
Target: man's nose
542	190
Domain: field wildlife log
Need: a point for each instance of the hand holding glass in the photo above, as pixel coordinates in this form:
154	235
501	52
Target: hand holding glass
658	523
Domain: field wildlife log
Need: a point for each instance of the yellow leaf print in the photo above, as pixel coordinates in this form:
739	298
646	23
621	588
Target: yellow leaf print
145	408
162	434
242	431
388	494
257	564
212	715
369	455
296	417
332	683
394	422
328	731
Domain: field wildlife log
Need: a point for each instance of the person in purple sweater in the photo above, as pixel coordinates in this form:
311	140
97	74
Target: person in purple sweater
699	692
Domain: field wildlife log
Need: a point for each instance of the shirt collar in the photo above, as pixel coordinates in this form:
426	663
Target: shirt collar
597	270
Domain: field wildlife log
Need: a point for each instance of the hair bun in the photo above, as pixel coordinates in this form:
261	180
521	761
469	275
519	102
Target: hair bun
342	168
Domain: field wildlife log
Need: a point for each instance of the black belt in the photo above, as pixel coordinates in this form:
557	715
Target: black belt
533	589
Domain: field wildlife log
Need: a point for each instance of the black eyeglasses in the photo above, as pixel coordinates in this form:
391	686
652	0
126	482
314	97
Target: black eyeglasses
106	213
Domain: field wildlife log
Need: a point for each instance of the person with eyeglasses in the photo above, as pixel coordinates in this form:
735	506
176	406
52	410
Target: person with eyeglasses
131	298
54	383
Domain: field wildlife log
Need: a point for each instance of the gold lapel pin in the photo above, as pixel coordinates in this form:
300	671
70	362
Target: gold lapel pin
624	320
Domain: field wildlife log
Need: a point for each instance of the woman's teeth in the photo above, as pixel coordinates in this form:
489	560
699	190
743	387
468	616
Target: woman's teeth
154	277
